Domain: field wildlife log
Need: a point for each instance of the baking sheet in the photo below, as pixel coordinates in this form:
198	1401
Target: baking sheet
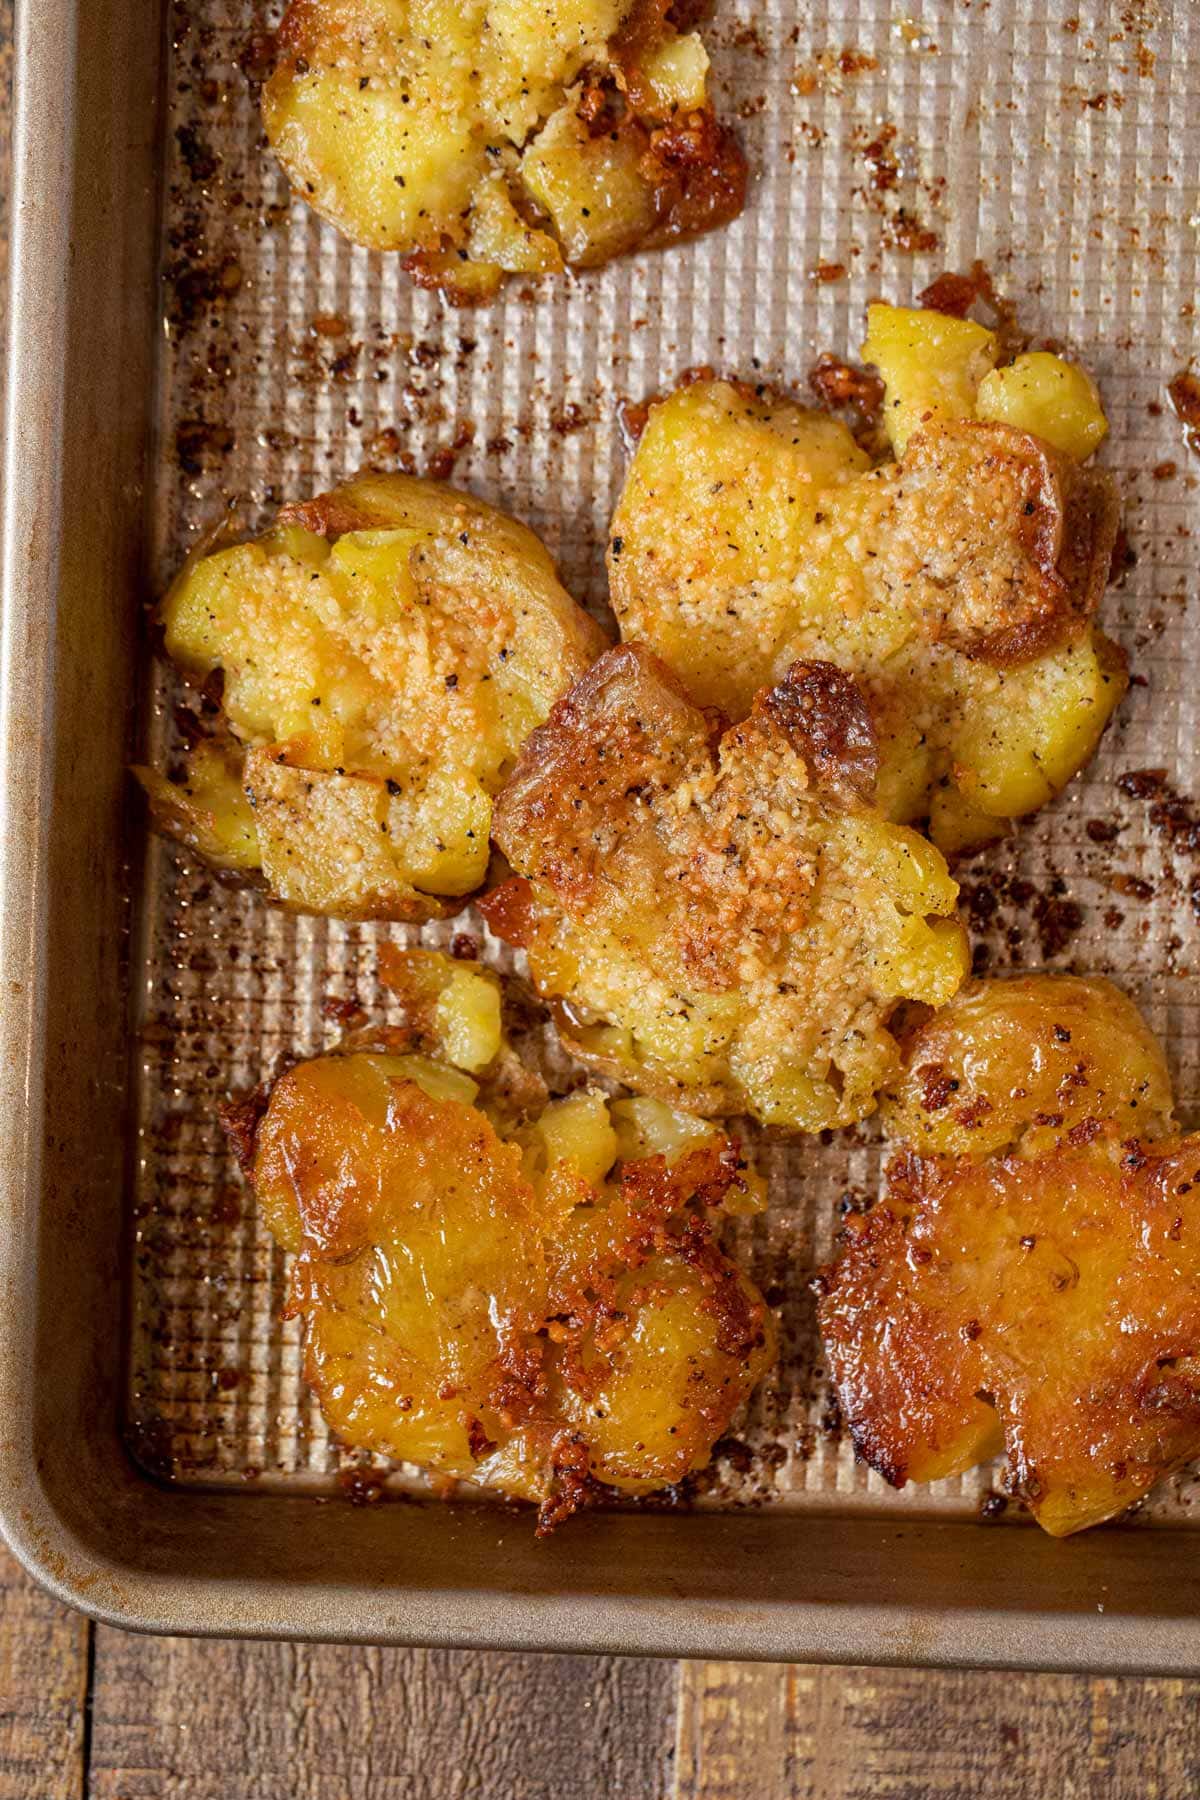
1058	142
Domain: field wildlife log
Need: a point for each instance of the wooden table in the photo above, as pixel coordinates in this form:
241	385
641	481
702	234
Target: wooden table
89	1713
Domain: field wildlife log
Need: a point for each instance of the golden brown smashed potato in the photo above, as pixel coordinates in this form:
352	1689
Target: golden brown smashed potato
528	1297
487	137
384	651
725	921
1030	1279
957	583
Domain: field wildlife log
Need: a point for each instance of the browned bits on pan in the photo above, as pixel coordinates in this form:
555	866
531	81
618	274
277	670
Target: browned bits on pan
569	419
1183	391
361	1486
202	443
573	1486
830	68
1172	815
1142	784
698	172
200	159
880	153
1134	887
240	1119
342	1010
442	462
995	905
329	325
256	58
905	231
633	416
951	294
841	387
1123	558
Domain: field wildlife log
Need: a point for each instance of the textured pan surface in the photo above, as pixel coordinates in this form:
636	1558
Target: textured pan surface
1054	140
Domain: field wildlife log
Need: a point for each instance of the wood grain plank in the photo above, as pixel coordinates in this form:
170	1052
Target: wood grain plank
175	1719
43	1685
779	1732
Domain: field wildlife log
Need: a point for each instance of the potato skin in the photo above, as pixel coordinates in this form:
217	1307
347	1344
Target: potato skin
1041	1292
958	584
721	919
505	1309
384	651
487	137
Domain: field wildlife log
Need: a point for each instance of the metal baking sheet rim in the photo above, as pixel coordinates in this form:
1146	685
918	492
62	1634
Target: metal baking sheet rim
723	1586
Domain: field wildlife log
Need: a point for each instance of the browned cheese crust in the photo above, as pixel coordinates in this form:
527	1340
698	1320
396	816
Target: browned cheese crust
999	545
721	917
1037	1291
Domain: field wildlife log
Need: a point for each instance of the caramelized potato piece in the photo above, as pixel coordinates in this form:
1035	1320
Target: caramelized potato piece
1022	1062
384	651
957	585
723	921
520	1305
488	137
1030	1278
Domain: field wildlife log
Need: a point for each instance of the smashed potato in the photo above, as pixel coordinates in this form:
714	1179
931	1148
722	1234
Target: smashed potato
488	137
722	921
956	584
384	651
535	1302
1030	1279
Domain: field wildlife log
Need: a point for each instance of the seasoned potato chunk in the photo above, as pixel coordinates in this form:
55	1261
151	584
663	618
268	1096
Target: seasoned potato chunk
1030	1278
1056	400
956	584
703	548
488	137
523	1305
723	921
1020	1063
384	651
931	363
